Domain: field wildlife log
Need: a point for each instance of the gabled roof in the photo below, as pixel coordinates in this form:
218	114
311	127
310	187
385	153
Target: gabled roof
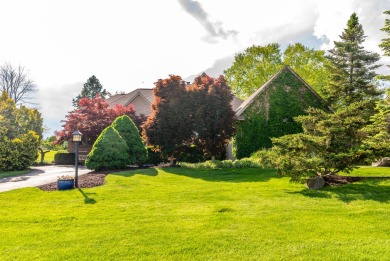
240	110
147	95
126	99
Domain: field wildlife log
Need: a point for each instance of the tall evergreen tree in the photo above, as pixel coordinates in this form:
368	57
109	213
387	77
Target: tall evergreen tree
91	88
378	132
352	68
385	44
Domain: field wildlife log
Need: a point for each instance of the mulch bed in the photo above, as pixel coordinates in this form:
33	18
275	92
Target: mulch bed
96	178
333	180
85	181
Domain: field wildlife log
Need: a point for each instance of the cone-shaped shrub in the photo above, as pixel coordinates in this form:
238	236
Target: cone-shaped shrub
108	152
129	133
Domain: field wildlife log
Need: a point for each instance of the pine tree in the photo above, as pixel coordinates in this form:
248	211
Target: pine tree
378	131
352	68
108	152
385	44
129	133
91	88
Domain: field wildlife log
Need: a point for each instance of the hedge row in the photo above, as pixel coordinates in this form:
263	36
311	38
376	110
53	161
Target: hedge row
224	164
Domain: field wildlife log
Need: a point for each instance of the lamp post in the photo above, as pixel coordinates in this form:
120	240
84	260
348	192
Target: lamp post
76	137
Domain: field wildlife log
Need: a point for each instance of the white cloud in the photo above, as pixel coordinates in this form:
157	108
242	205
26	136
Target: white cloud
56	102
131	44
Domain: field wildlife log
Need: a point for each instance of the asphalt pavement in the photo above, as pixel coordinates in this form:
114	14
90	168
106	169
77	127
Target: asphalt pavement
39	175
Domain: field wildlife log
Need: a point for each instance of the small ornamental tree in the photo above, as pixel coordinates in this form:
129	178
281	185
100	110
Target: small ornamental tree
92	116
129	133
167	127
109	151
213	116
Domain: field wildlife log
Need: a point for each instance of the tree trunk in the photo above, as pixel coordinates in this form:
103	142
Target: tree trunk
172	161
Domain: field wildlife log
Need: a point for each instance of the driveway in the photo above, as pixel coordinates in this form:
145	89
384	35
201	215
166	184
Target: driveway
38	176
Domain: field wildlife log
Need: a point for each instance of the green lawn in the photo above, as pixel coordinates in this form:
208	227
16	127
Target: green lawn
5	174
368	171
181	214
49	156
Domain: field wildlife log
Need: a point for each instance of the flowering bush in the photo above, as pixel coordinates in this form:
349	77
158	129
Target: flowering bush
65	177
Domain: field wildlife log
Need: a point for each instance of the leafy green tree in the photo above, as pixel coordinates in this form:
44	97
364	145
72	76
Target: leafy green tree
129	133
385	44
329	143
108	152
352	69
91	88
18	134
257	64
309	64
8	113
252	68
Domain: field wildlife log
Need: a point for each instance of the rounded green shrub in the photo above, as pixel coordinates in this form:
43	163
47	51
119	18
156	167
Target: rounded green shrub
18	153
129	133
108	152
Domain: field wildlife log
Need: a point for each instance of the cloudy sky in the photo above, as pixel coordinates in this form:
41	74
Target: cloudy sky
132	44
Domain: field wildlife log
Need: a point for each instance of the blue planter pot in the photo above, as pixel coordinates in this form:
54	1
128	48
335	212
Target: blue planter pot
65	184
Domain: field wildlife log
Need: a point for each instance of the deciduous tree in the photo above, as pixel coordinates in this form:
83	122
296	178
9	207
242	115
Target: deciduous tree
18	138
91	118
309	64
257	64
17	84
213	116
252	68
167	127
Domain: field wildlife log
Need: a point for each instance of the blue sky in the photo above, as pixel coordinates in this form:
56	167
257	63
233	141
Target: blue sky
132	44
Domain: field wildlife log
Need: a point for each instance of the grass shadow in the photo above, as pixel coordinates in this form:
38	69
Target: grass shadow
129	173
226	175
87	200
21	177
368	189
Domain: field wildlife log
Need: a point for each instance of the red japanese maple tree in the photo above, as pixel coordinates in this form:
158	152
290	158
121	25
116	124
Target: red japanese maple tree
92	117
